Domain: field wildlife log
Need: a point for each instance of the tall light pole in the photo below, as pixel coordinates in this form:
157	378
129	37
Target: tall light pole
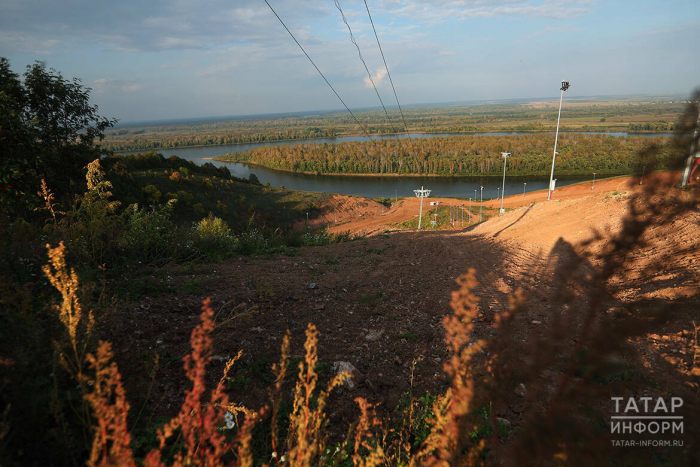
422	193
564	87
481	207
505	155
524	185
593	184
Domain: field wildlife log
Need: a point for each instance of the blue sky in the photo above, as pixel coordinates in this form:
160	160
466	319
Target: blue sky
162	59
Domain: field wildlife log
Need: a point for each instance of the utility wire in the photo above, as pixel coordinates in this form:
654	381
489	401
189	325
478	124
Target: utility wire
319	71
387	68
369	75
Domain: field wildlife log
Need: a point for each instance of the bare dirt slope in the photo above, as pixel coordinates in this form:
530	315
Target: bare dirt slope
379	302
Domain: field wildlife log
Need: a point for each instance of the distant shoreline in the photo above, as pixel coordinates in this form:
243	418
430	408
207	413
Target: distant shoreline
471	133
394	175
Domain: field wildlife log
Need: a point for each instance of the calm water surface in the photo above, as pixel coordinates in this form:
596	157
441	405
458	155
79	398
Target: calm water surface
463	187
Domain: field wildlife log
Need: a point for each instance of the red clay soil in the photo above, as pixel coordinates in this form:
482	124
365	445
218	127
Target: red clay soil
344	213
379	302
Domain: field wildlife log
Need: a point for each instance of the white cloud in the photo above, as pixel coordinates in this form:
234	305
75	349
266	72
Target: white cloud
378	78
103	85
438	10
132	88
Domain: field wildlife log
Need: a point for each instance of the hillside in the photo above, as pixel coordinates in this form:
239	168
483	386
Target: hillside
379	302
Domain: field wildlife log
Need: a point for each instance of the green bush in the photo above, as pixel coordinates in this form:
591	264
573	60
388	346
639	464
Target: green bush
149	234
213	238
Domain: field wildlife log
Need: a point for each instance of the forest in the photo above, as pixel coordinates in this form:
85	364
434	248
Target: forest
531	154
625	114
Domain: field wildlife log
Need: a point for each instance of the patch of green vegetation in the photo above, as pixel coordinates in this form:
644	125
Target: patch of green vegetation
371	298
194	287
408	336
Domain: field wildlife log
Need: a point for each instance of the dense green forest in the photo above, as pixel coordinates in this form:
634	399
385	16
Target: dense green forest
649	115
462	155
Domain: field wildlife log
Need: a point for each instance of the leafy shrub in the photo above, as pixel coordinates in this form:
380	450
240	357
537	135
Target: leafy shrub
149	233
213	238
199	209
152	193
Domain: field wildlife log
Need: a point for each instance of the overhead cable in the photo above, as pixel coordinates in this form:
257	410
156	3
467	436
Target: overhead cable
362	59
387	68
319	71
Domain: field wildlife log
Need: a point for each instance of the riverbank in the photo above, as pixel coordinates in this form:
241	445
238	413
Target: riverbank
413	175
617	132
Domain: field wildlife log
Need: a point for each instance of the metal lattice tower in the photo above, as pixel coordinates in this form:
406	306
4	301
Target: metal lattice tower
422	193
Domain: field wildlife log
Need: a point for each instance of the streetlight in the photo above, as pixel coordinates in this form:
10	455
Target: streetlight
498	192
593	184
524	185
462	215
641	180
505	155
481	207
470	210
564	87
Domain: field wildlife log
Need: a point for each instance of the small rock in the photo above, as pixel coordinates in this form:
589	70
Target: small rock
503	421
349	368
520	390
519	408
374	335
537	322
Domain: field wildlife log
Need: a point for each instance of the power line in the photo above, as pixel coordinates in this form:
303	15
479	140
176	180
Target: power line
319	71
352	39
387	68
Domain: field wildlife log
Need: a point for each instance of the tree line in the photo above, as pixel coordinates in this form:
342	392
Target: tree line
461	155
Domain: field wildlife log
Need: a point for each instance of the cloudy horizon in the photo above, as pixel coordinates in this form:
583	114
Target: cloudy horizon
175	59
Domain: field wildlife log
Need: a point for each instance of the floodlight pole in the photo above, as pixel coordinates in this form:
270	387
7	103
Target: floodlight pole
564	87
692	154
593	184
422	193
505	155
481	207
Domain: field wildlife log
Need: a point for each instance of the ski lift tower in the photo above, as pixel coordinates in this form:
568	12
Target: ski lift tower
422	193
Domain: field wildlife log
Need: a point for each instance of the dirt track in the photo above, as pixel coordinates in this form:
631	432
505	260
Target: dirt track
372	217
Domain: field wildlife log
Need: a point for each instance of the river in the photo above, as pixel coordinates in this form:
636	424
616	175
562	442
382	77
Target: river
372	187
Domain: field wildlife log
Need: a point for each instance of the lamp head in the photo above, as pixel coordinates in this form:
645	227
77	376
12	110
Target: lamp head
564	85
